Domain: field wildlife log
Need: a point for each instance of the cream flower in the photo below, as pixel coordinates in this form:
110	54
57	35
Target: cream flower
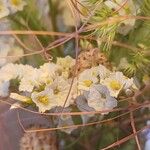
87	78
66	63
16	5
35	78
115	83
99	98
29	81
4	11
44	100
103	72
61	88
51	69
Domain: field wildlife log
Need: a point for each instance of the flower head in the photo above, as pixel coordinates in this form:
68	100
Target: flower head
4	11
115	83
30	80
99	98
61	88
87	78
103	72
66	64
44	100
16	5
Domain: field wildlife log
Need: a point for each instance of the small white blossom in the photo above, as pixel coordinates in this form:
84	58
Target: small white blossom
83	106
61	88
16	5
44	100
87	78
51	69
103	72
99	98
66	64
4	11
30	80
115	83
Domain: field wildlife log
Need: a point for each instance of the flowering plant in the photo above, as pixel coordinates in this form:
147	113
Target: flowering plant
81	66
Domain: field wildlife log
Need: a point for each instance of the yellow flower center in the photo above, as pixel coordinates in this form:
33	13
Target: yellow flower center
16	2
43	99
87	83
115	85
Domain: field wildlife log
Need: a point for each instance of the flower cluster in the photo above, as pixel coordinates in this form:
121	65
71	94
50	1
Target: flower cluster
10	6
52	85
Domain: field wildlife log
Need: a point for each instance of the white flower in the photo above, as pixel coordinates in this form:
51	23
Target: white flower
4	89
99	98
115	83
35	78
16	5
51	69
66	63
87	78
82	105
103	72
4	11
44	100
30	80
61	88
24	70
